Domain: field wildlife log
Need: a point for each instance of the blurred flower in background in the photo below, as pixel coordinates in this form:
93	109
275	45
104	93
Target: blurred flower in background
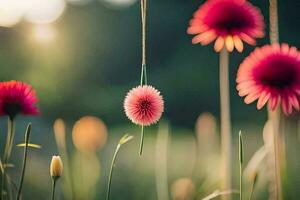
60	133
207	144
86	170
89	134
183	189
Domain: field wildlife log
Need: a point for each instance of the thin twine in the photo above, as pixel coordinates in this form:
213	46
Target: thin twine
143	17
274	30
143	71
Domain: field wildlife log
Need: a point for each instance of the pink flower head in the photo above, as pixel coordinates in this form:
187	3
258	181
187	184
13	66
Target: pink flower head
144	105
229	22
17	97
271	74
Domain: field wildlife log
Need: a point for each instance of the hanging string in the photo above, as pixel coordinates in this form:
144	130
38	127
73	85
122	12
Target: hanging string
143	17
274	32
143	71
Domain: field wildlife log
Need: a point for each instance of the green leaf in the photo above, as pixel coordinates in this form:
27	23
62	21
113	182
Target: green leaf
36	146
8	165
126	138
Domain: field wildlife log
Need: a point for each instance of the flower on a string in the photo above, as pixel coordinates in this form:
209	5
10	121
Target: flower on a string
144	105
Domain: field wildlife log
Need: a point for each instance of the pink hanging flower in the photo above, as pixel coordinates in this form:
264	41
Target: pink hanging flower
17	98
229	22
271	74
144	105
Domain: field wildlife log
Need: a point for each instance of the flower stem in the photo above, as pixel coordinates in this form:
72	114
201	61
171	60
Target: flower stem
9	140
111	171
7	151
126	138
142	141
252	188
53	188
27	135
225	121
274	116
241	159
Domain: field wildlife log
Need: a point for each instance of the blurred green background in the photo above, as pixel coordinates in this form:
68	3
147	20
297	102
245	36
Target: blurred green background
82	56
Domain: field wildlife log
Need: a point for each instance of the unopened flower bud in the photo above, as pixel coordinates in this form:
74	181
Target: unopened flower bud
56	167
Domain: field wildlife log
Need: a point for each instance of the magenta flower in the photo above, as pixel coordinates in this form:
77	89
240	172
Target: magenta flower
271	74
17	98
144	105
229	22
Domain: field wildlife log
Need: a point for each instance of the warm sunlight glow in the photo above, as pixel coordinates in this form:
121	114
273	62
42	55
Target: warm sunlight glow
44	33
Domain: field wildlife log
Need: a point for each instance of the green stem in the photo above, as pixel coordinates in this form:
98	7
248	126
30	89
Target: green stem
142	141
2	185
252	190
53	188
241	159
111	171
7	151
27	135
142	76
10	140
241	183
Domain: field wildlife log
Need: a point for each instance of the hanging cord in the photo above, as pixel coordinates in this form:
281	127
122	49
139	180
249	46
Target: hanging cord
143	71
143	16
274	30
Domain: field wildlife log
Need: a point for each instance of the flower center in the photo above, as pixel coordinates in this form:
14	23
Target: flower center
12	109
277	72
145	105
229	18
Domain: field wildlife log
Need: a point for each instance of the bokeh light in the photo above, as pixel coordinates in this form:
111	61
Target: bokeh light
11	12
44	12
89	134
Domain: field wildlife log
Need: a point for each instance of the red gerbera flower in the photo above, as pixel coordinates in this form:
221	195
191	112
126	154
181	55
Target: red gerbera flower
144	105
17	98
271	74
229	22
